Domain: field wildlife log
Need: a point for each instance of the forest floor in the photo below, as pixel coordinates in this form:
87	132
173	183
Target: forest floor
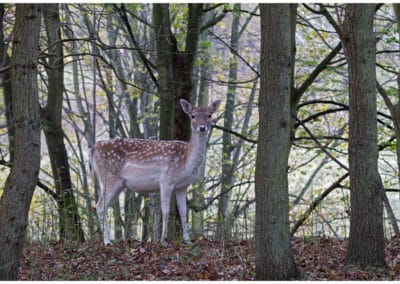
317	258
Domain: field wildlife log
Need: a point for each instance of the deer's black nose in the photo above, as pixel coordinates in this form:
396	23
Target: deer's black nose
202	128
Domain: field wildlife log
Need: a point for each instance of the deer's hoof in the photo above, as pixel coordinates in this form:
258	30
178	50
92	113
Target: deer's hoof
107	243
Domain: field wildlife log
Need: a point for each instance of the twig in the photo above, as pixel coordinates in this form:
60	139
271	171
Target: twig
241	136
316	202
39	183
318	143
147	64
235	53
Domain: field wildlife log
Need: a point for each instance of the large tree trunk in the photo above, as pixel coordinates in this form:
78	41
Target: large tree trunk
20	184
366	242
69	220
183	67
274	259
166	46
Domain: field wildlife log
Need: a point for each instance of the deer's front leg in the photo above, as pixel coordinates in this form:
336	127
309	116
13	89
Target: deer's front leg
182	207
165	196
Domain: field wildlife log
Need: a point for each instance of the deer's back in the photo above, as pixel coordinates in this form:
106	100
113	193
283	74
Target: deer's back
138	161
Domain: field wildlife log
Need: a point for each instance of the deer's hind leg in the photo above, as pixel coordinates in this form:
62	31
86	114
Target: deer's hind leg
111	188
165	198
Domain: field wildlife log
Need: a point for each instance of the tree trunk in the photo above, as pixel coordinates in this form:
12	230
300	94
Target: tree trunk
366	242
223	228
198	187
166	45
6	84
51	116
91	218
114	126
183	67
274	259
395	113
146	226
175	69
20	184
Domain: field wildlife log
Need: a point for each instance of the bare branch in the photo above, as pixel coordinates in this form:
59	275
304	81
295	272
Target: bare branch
233	51
147	64
39	183
315	73
241	136
316	202
319	144
385	97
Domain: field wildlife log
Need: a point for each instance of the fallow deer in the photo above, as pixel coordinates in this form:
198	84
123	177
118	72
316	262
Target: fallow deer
146	166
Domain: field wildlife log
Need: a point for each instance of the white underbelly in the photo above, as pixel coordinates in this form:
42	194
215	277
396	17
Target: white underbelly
144	178
141	178
142	185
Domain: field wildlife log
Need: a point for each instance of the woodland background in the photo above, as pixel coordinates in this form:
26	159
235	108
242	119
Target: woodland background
118	70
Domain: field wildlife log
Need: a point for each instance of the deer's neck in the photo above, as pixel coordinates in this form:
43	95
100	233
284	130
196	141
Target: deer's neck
196	150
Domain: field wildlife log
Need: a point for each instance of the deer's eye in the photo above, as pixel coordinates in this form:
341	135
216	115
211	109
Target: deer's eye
209	116
193	116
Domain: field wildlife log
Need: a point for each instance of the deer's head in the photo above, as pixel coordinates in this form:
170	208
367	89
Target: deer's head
200	117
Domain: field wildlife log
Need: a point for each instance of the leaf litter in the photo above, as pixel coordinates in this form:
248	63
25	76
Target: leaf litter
316	258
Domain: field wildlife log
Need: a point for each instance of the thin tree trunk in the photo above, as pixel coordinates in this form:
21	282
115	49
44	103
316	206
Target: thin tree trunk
223	230
146	226
51	115
6	80
197	189
394	111
93	232
150	128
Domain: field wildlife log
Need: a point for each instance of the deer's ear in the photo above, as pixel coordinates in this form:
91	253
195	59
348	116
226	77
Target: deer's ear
214	106
186	106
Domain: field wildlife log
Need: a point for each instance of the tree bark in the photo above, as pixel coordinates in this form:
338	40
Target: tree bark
366	242
183	67
166	46
274	259
20	184
51	116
